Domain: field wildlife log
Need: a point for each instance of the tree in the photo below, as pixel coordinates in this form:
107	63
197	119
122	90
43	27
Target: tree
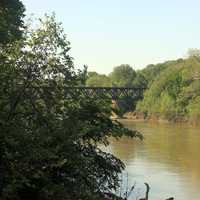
49	144
173	93
98	80
11	23
83	75
194	53
140	81
90	74
123	76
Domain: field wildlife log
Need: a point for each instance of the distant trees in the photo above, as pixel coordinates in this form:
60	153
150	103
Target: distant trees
172	88
98	80
193	53
174	92
140	81
123	76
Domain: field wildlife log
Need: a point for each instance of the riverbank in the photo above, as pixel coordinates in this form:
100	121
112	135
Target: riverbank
139	117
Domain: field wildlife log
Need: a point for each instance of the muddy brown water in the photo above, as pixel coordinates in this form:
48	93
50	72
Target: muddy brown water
168	159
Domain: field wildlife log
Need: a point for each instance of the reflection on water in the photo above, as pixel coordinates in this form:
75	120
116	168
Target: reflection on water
168	159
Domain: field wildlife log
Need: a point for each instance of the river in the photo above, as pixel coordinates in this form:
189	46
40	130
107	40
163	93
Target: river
168	159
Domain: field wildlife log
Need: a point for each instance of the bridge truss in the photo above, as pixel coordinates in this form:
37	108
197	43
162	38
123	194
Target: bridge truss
113	93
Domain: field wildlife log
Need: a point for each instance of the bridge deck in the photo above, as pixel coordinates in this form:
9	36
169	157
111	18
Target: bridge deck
104	92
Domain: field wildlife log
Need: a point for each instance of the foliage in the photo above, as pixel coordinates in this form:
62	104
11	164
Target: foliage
172	88
98	80
83	75
174	93
193	53
126	76
49	144
151	72
11	23
90	74
194	109
140	80
123	76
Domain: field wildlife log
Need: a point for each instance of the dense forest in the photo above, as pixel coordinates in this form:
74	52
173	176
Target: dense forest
175	92
172	88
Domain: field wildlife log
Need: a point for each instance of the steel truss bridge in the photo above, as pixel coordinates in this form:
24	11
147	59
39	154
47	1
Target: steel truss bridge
113	93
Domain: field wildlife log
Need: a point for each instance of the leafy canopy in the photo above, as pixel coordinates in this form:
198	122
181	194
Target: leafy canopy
98	80
174	92
11	20
49	144
123	76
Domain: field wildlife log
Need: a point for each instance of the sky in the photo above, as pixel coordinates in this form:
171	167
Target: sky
107	33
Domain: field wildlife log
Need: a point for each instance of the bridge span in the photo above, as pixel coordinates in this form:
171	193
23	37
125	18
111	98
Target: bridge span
113	93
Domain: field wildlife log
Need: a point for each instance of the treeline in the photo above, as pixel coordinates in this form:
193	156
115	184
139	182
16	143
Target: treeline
121	76
174	94
125	76
172	88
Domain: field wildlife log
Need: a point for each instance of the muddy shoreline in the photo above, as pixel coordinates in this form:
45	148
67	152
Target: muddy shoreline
131	116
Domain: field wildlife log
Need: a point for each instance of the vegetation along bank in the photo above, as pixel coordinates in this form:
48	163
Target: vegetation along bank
172	89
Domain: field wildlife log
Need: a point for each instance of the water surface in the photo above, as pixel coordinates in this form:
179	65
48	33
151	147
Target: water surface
168	159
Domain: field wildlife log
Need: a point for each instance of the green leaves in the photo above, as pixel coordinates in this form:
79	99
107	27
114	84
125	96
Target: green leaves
11	23
172	95
99	80
123	76
49	144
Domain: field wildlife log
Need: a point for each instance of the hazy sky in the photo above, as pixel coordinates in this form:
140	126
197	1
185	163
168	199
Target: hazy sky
107	33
